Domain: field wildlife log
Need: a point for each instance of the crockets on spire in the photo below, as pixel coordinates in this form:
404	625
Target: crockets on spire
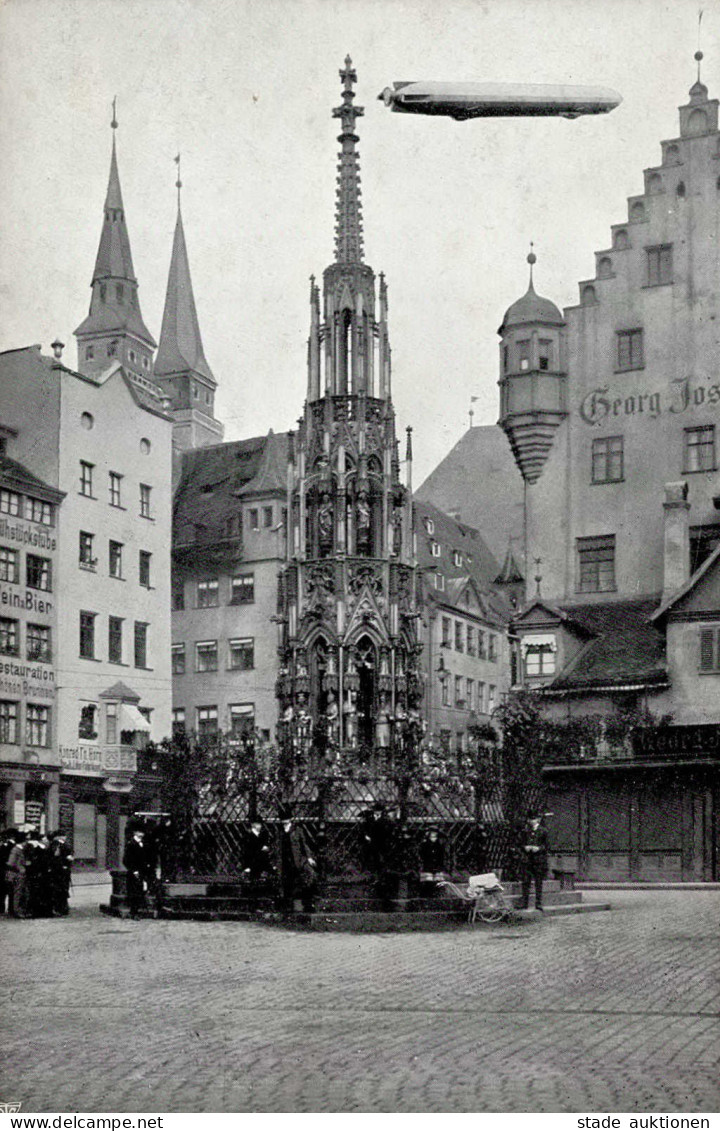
348	227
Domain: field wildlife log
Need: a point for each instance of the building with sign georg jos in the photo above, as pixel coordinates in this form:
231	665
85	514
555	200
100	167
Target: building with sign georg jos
611	410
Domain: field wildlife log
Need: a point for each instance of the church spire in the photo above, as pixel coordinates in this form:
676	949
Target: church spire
114	328
348	211
181	368
181	349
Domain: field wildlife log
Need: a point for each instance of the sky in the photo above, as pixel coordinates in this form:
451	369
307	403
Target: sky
244	90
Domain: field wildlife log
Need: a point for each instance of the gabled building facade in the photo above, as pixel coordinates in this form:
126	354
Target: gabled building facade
611	410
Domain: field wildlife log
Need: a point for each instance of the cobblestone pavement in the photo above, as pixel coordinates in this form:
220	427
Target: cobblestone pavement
614	1011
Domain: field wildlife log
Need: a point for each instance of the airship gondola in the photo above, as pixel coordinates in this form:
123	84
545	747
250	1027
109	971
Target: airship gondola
462	100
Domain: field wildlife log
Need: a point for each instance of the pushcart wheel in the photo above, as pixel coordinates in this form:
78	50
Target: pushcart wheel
493	909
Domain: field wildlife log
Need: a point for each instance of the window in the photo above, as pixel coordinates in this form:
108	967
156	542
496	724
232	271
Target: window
144	560
89	353
608	460
254	516
9	636
492	647
111	724
242	720
491	698
86	478
445	683
470	640
206	656
539	660
481	645
459	636
481	697
37	725
457	558
242	590
459	701
207	593
207	721
9	565
710	649
86	557
37	643
145	493
87	724
115	550
115	627
267	516
141	633
178	594
87	636
659	265
178	659
10	503
38	573
429	525
446	632
439	582
470	693
38	511
115	481
241	655
596	564
435	549
523	355
700	449
703	540
112	349
178	720
120	291
629	350
8	721
544	354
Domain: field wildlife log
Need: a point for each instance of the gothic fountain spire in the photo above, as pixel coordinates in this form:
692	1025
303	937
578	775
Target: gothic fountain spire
348	209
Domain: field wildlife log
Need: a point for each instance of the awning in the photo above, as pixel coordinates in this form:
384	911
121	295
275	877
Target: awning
132	719
546	641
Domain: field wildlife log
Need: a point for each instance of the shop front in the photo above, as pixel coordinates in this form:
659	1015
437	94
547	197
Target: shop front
655	818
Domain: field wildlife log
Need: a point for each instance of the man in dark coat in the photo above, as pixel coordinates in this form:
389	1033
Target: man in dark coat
378	842
256	852
7	843
298	866
16	879
61	859
535	860
137	864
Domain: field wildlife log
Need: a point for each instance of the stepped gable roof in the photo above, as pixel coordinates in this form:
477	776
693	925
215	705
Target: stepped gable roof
19	478
181	349
478	566
625	648
212	479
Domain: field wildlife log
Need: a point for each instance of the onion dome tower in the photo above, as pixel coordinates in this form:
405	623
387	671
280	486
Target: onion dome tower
533	378
349	652
114	329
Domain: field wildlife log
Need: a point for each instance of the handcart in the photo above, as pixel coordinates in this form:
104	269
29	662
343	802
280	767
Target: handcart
484	896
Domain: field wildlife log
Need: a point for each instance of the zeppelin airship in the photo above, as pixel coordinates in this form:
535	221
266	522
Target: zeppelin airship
461	100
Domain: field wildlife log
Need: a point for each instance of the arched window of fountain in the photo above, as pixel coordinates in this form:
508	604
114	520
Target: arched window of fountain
366	666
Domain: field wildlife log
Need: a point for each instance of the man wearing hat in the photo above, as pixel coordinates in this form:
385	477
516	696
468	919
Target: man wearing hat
535	859
137	864
298	866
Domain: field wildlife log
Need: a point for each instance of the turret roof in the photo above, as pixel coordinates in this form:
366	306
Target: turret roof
531	308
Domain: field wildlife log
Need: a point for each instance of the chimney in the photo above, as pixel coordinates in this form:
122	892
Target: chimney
676	541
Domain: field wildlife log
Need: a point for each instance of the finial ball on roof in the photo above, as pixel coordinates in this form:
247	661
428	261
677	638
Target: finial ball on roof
698	56
532	258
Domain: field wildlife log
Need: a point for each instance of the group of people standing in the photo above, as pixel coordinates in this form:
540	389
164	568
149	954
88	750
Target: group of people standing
36	869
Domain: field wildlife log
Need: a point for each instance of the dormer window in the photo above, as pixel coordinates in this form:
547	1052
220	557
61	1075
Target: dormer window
429	525
538	653
435	549
457	558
